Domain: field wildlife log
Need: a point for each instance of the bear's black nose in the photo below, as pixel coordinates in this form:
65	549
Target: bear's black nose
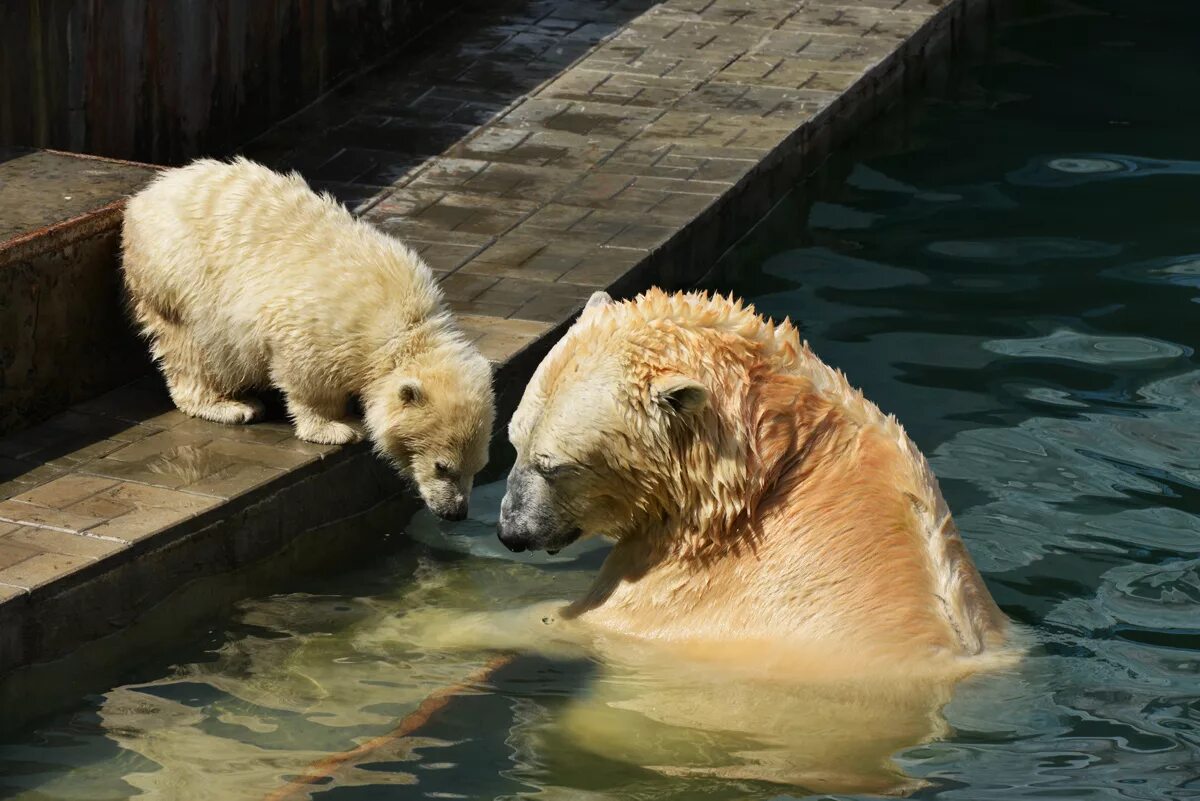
454	513
514	540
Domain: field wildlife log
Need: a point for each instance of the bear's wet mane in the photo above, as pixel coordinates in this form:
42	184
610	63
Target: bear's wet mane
778	344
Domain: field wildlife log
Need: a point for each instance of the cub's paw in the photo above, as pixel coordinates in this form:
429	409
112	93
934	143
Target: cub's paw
329	432
229	412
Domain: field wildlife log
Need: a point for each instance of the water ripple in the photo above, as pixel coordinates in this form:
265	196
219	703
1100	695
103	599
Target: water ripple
1109	351
1023	249
1068	171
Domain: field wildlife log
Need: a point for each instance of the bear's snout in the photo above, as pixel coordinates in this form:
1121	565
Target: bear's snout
514	539
512	529
454	513
530	517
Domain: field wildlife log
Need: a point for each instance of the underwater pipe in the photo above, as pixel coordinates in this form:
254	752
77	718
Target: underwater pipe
410	723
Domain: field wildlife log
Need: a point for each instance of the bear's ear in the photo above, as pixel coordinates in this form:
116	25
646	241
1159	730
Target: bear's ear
599	299
411	392
679	393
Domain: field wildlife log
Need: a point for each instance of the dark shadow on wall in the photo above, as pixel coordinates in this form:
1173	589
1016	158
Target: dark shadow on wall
165	82
370	132
162	82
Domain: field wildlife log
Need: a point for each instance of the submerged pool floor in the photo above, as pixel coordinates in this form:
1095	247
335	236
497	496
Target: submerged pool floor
1014	273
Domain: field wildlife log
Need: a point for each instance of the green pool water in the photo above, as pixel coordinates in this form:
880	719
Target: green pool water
1014	272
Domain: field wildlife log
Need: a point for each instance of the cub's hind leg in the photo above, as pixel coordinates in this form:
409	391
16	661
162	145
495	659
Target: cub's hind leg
194	387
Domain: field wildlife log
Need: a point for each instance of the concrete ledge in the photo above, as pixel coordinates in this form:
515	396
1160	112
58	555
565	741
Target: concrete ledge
638	164
63	336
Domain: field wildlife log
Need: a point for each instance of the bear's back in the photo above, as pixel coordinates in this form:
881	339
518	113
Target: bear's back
239	240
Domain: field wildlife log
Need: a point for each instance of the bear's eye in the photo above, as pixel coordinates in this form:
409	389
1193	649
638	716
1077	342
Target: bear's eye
550	471
443	470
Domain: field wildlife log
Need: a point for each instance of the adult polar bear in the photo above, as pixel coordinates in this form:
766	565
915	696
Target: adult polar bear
788	599
755	498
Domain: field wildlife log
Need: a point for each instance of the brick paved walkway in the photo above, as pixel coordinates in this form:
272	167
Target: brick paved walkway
527	205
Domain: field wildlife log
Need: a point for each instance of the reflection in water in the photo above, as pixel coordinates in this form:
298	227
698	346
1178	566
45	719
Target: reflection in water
1179	271
1023	250
1090	349
1068	171
1035	331
331	671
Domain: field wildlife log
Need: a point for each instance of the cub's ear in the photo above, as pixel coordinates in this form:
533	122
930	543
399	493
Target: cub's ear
599	299
411	392
680	394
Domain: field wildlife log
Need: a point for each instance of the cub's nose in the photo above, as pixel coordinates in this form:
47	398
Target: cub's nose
455	512
515	539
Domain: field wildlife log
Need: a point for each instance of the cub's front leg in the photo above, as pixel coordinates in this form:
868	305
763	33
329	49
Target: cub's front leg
322	419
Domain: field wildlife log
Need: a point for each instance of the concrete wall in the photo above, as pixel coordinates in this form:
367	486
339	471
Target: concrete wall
54	350
164	81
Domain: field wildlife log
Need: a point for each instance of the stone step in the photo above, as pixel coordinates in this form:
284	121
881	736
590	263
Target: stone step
63	333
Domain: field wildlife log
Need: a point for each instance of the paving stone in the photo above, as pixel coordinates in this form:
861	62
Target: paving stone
675	186
12	553
750	13
66	433
164	442
62	492
51	541
602	267
137	510
517	292
40	569
596	187
447	257
357	197
203	460
28	514
267	456
84	453
464	286
472	323
641	236
474	213
500	339
529	256
556	217
483	308
856	20
450	173
264	433
443	105
620	88
17	475
233	479
824	47
144	402
549	307
681	206
416	233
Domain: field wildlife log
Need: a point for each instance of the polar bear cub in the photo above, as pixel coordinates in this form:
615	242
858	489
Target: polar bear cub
243	278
